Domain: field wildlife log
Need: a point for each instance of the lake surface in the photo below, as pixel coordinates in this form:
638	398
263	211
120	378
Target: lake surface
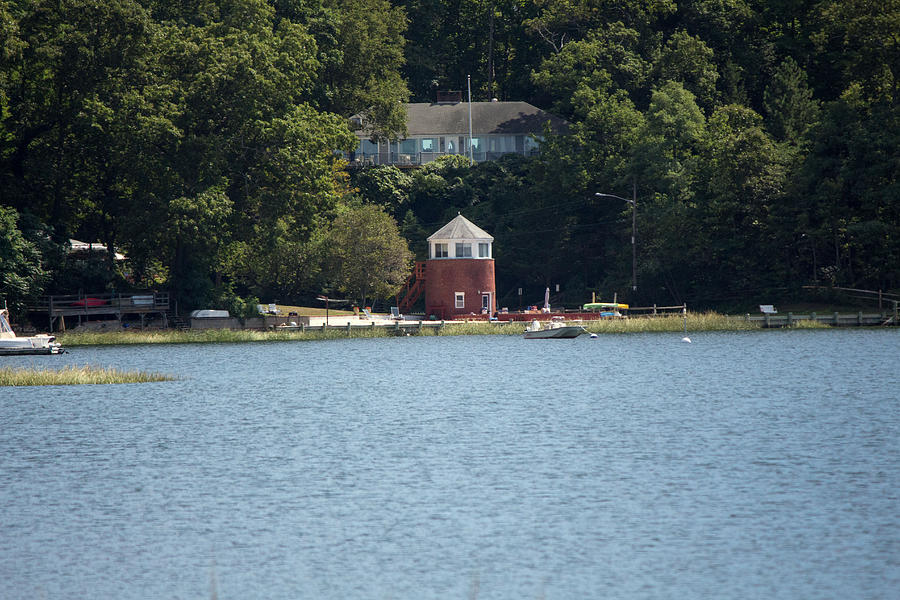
743	465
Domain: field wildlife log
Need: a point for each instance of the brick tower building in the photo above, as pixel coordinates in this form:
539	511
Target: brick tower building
460	271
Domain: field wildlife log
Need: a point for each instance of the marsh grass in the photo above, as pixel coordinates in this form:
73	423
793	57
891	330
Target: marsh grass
166	336
707	321
213	336
809	324
694	322
72	375
481	328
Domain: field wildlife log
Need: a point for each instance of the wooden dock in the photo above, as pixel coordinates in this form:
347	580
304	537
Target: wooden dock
859	319
85	306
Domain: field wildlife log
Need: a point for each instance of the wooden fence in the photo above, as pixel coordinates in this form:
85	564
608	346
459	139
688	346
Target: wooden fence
834	319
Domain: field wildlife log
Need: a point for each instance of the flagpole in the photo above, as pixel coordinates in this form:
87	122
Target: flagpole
469	84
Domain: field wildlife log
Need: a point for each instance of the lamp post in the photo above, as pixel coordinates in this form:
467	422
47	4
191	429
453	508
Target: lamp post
633	203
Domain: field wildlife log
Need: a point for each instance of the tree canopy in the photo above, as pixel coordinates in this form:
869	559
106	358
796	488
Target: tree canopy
201	139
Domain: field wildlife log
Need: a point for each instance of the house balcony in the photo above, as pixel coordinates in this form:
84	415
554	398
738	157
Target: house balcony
417	159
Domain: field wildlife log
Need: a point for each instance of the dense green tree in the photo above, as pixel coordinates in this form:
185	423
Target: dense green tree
560	22
200	138
197	233
856	42
360	49
605	60
22	275
440	189
789	103
743	176
365	254
666	156
386	186
730	28
449	40
848	201
79	62
687	59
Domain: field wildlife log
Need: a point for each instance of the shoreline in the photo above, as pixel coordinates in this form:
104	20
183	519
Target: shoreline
692	323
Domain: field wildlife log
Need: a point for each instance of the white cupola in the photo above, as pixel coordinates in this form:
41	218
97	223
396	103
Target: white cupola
460	238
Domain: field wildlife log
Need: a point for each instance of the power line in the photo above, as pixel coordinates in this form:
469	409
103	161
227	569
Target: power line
523	211
555	229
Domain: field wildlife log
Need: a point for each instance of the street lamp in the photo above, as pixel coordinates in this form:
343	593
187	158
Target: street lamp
633	203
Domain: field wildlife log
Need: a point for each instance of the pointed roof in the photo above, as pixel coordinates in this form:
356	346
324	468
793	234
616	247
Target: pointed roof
460	228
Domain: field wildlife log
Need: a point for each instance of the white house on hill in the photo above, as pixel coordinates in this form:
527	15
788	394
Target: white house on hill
442	128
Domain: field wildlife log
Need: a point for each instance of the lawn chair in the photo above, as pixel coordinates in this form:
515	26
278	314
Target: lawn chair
395	313
367	313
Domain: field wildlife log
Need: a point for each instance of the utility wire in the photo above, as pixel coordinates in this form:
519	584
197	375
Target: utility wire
525	210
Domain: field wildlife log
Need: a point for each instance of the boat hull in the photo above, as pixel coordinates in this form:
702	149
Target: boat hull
557	333
6	351
29	345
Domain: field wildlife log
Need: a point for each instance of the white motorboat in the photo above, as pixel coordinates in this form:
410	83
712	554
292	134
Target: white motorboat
555	329
10	343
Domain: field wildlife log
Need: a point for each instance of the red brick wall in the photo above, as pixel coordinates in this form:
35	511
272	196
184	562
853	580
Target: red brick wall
445	277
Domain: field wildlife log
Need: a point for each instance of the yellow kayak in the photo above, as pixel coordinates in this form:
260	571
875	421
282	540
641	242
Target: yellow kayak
604	305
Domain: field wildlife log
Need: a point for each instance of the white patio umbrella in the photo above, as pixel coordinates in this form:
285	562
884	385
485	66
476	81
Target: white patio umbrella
547	300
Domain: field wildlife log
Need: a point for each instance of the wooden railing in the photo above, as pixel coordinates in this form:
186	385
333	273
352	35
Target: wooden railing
879	297
105	303
836	319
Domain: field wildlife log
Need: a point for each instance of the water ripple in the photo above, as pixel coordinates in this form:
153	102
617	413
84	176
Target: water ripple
743	465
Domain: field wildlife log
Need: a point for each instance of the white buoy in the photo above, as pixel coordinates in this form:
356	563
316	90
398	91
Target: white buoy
593	336
686	339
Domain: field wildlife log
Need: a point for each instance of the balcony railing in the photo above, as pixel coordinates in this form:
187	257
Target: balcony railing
401	159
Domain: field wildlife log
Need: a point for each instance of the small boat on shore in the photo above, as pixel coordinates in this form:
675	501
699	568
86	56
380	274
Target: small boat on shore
606	309
11	344
555	329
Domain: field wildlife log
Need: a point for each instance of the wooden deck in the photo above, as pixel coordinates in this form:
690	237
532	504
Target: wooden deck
883	318
85	306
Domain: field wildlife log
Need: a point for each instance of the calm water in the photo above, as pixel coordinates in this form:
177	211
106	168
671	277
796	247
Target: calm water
744	465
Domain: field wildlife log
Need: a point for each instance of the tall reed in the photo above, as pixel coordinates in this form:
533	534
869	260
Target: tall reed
73	375
215	336
693	322
706	321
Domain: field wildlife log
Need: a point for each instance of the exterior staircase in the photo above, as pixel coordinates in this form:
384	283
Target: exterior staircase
413	288
177	322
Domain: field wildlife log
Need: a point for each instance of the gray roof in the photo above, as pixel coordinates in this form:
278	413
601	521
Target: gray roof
487	117
460	228
508	118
